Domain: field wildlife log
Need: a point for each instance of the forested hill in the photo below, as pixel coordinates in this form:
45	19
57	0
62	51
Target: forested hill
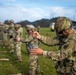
41	23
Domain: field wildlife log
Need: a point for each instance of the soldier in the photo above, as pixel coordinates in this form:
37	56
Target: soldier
11	35
11	24
5	34
66	39
31	43
19	31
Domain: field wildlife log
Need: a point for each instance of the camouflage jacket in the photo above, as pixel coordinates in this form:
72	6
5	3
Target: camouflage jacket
19	32
11	26
31	42
3	31
67	47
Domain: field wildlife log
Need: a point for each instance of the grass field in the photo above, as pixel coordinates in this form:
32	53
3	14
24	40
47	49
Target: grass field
13	67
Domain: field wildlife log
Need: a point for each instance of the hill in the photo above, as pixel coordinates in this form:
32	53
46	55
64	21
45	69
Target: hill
42	23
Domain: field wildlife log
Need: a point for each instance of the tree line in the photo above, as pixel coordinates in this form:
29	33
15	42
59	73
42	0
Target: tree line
42	23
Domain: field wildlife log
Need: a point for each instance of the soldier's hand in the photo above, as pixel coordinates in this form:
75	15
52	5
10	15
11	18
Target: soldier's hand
37	51
18	38
36	34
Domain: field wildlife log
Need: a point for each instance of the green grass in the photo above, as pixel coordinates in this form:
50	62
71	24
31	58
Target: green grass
13	67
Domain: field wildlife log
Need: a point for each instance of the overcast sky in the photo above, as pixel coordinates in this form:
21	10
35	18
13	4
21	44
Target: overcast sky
32	10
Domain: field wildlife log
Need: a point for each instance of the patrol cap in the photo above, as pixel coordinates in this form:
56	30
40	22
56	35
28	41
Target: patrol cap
11	21
29	27
17	26
63	23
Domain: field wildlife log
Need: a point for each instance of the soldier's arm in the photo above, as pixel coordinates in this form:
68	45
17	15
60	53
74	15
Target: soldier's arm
27	39
48	41
67	51
52	55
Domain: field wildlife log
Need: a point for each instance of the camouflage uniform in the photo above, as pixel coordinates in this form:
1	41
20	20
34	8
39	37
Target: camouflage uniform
5	34
66	57
11	24
31	43
18	44
11	36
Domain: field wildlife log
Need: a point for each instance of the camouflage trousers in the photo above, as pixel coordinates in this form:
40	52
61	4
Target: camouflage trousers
18	51
34	67
65	67
11	44
5	37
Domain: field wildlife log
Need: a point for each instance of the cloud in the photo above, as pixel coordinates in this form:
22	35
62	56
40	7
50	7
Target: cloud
58	10
62	11
20	12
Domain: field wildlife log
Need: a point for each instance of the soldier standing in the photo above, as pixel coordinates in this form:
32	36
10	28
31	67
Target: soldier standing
31	43
66	39
19	31
5	34
11	35
11	25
